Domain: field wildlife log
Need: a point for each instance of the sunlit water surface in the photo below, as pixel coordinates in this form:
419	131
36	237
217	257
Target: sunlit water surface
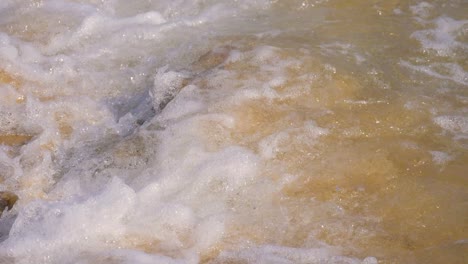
234	131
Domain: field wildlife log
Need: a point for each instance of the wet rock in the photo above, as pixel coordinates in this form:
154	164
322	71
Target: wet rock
7	200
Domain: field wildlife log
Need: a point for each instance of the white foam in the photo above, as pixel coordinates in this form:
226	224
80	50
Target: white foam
5	4
332	49
209	231
440	158
43	231
270	146
445	71
443	38
454	124
126	256
422	9
187	102
9	52
285	255
166	85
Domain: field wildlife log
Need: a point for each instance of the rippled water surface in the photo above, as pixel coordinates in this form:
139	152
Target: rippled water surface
326	131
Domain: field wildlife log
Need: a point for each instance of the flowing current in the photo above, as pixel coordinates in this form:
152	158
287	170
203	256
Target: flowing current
246	131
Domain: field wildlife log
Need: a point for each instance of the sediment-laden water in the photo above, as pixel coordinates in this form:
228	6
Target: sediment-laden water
234	131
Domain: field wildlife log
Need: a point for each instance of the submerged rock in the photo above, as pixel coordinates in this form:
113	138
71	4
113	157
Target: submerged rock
7	200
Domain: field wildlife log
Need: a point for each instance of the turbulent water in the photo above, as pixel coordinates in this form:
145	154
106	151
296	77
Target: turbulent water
247	131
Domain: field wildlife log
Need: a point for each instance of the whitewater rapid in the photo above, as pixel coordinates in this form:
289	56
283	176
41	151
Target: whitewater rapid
234	131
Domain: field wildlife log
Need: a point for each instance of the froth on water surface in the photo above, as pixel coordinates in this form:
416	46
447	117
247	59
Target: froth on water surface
234	132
